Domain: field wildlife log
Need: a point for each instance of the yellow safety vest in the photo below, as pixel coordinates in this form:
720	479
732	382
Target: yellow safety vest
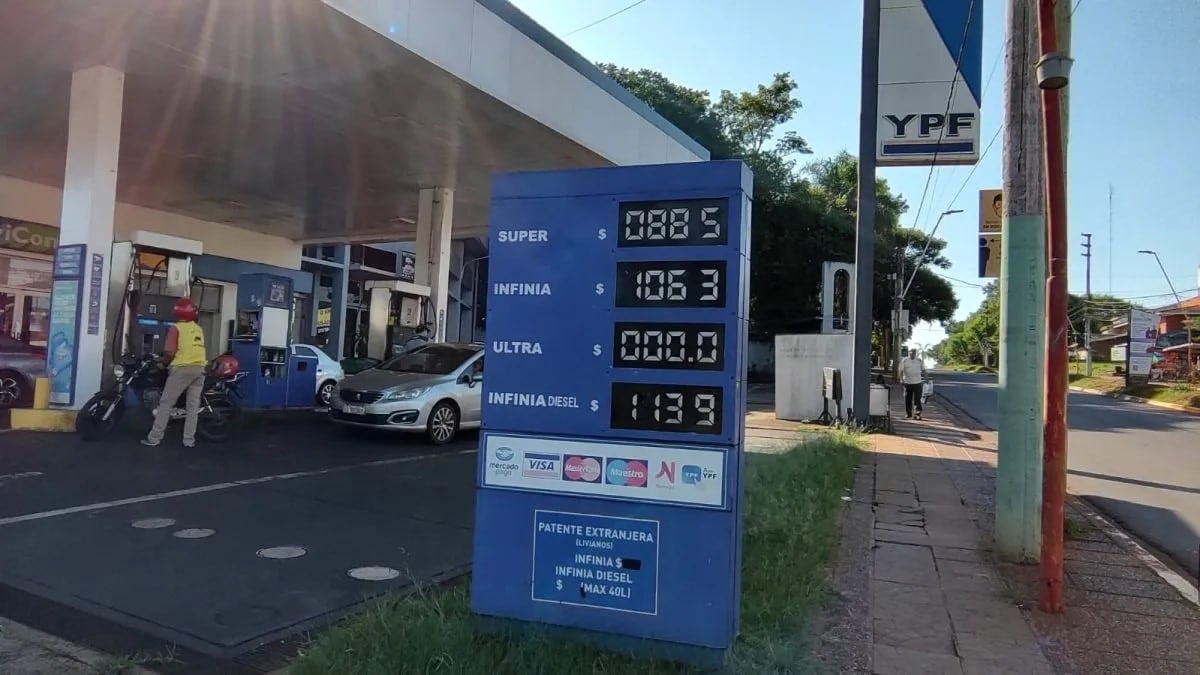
190	351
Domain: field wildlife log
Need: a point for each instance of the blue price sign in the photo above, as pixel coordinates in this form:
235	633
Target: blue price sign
614	402
596	561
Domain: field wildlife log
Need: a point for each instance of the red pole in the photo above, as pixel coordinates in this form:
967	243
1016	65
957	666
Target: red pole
1054	477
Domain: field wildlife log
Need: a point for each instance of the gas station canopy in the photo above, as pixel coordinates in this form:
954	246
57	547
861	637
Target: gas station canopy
317	119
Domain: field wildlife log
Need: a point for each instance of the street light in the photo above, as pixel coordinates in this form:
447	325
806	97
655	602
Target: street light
902	288
1178	303
921	260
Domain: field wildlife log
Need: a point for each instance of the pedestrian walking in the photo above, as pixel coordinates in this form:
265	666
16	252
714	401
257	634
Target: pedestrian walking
912	376
186	357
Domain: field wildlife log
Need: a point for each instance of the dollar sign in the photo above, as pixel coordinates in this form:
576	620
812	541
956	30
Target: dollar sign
596	350
602	234
558	585
595	405
599	289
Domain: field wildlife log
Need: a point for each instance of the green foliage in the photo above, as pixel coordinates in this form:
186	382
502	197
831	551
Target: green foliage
803	216
792	505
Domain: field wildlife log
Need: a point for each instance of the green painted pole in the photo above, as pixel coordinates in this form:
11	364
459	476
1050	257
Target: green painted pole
1022	298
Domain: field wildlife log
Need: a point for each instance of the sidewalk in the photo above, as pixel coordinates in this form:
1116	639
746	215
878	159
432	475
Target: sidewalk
922	593
25	651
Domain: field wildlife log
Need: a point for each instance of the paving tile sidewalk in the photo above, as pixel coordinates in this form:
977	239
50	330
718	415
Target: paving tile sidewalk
25	651
921	591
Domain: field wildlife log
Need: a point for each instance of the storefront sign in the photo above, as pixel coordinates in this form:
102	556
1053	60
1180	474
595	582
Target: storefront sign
596	561
63	347
20	235
94	291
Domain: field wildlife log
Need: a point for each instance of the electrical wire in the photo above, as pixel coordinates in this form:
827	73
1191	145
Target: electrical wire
606	18
949	100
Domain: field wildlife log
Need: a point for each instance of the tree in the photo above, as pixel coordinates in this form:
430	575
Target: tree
801	217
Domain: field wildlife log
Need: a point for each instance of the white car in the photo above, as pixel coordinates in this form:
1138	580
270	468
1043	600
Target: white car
329	372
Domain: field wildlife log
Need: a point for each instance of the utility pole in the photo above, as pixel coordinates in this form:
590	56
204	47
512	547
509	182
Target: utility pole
1022	296
864	258
1087	304
1053	71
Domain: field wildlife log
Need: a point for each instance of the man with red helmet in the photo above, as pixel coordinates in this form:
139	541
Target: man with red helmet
185	355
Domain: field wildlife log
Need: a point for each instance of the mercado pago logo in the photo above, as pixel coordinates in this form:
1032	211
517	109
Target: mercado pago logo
581	468
502	462
540	465
628	472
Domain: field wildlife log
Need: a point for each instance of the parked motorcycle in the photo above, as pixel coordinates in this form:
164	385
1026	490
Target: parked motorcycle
139	384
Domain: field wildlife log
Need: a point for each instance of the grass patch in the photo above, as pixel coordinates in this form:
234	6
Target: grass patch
1105	380
791	518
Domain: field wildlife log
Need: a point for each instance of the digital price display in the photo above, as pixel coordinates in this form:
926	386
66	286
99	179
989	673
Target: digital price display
691	222
676	346
612	410
680	283
667	407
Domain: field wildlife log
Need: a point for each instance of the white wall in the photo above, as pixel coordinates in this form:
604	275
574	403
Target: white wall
43	204
472	43
799	364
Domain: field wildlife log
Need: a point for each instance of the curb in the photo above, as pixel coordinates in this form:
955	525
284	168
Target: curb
1136	399
1189	592
1185	588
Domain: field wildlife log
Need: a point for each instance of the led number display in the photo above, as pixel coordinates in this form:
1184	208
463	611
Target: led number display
666	407
691	283
680	346
685	222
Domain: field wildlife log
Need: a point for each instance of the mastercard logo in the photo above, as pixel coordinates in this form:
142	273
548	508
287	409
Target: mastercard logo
585	469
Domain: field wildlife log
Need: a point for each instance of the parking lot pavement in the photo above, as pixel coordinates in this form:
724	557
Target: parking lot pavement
218	549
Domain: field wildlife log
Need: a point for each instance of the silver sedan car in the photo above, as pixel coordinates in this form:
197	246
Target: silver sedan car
434	390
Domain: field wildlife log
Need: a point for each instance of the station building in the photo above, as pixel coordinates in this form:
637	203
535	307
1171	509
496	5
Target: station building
346	146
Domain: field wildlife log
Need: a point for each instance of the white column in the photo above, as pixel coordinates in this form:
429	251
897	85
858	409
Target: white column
435	222
88	203
377	318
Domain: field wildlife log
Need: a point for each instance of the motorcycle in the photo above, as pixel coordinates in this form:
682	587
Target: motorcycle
139	384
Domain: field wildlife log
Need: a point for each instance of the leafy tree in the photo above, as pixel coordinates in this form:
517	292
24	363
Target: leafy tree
803	216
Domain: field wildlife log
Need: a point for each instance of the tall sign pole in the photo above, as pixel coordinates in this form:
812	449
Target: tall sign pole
1022	297
864	256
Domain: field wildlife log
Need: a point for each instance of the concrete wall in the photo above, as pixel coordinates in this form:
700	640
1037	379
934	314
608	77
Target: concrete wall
799	364
43	204
492	46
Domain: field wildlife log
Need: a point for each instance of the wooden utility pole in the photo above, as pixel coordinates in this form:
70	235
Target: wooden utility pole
1087	304
1022	295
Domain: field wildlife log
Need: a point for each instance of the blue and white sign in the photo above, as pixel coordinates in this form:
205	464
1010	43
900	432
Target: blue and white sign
596	561
614	402
930	73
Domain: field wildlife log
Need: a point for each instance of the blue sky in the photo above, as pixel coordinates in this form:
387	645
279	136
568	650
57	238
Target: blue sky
1135	91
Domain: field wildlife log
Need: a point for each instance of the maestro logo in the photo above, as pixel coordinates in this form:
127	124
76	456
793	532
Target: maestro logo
628	472
505	453
581	468
539	465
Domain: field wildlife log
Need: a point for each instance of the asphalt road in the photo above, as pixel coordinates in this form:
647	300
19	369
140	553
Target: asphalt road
1137	463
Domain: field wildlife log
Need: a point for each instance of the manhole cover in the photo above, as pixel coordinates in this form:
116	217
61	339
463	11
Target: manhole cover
373	573
281	552
194	533
153	523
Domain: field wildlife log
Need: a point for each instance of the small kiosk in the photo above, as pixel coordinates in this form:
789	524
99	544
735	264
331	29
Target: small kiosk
276	378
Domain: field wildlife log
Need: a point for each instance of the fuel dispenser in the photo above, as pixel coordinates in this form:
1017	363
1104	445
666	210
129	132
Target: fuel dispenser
276	377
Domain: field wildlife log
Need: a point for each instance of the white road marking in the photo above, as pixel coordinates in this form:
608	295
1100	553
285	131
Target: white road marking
13	520
281	552
373	573
194	533
153	523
